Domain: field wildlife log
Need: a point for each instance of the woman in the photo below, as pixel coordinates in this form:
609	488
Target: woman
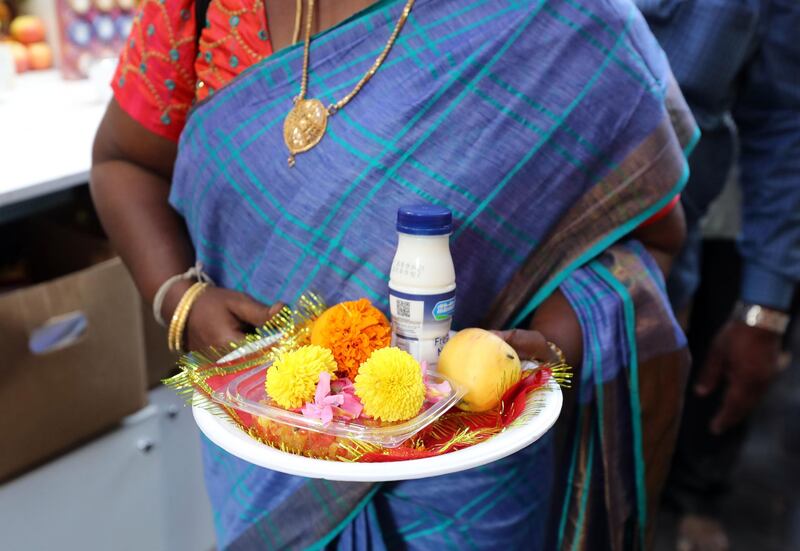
552	129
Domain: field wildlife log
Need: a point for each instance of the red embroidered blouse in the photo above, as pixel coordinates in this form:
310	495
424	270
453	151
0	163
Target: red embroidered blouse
162	71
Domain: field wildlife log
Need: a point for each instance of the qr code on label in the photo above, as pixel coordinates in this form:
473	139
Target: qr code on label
403	308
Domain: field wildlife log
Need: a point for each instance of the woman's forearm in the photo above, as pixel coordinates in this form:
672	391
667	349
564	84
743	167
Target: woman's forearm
146	232
130	187
556	320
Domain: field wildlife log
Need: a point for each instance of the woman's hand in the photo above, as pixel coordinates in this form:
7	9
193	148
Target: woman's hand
219	316
529	344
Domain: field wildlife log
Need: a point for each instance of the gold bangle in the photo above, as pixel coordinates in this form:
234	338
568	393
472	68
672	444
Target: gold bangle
177	324
181	315
175	320
562	359
562	371
183	310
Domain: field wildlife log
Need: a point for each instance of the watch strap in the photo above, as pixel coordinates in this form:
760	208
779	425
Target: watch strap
755	315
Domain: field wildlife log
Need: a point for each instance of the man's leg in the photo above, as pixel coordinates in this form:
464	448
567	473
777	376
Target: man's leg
703	463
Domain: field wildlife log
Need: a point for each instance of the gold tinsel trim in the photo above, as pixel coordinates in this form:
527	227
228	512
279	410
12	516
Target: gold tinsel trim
356	449
290	328
562	374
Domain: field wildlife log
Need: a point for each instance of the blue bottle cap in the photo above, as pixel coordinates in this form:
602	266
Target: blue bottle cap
424	219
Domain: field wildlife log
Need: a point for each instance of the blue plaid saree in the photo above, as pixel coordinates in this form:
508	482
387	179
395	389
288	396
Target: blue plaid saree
551	129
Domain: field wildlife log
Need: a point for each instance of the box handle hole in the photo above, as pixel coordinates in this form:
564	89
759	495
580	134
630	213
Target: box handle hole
58	332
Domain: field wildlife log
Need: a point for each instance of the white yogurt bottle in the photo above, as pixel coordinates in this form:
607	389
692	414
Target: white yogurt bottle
422	284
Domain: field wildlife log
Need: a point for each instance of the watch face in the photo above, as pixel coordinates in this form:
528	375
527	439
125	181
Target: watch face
755	315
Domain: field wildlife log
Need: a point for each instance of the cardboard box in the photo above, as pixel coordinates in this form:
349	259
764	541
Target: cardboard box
53	401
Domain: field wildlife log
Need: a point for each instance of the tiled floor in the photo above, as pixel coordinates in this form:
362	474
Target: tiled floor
763	511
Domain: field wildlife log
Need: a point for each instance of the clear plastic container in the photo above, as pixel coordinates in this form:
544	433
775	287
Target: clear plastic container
247	393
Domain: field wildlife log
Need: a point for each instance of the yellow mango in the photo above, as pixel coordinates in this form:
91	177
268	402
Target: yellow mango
482	363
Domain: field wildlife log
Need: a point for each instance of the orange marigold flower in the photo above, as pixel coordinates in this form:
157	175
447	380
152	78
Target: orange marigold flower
352	331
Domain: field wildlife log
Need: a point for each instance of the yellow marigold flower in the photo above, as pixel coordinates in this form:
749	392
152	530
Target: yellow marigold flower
292	378
389	385
352	331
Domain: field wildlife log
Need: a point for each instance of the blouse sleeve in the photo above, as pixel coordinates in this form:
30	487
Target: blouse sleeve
155	79
668	208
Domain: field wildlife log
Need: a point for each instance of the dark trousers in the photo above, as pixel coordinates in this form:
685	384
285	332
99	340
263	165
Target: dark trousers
702	467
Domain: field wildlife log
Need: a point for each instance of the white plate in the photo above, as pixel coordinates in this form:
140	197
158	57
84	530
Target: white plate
541	411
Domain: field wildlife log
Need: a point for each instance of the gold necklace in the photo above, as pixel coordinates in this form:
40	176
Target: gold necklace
307	121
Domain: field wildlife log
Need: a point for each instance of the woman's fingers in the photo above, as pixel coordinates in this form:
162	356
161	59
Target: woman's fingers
218	317
249	310
211	323
530	345
275	308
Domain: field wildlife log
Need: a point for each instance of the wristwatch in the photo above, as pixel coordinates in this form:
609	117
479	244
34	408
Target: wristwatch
755	315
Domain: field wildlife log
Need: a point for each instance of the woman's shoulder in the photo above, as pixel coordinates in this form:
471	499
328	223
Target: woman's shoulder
235	37
155	78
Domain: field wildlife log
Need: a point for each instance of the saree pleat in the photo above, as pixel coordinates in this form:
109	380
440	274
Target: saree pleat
628	402
242	522
551	129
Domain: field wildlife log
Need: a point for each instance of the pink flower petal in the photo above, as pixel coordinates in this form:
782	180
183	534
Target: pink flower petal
334	400
437	391
323	386
326	415
344	401
352	405
310	410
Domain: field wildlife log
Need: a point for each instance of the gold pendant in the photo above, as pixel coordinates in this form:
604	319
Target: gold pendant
304	126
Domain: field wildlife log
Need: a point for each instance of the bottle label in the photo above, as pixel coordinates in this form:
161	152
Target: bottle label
421	323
